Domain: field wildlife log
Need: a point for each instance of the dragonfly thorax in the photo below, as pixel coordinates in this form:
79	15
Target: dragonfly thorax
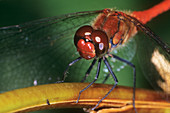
115	25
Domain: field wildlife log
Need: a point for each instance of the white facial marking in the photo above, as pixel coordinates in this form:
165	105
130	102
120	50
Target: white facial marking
87	33
101	46
87	40
97	39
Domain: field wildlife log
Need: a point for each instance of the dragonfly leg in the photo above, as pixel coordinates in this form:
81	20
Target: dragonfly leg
70	64
114	77
97	75
89	70
134	76
106	78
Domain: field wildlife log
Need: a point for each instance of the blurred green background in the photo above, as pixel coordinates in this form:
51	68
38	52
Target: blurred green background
19	11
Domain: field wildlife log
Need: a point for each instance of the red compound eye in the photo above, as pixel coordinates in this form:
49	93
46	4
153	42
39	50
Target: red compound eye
82	41
100	41
82	32
91	43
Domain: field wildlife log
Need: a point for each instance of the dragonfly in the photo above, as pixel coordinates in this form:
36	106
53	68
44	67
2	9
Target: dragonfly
47	37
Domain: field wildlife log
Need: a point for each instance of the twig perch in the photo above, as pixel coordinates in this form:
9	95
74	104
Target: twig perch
64	95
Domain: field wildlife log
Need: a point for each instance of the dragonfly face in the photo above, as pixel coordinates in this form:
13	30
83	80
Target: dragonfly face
91	43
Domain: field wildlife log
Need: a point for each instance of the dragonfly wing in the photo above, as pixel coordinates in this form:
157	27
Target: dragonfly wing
147	49
39	51
155	63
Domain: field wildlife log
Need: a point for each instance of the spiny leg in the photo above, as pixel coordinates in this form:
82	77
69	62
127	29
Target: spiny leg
97	75
70	64
114	77
106	78
134	75
89	70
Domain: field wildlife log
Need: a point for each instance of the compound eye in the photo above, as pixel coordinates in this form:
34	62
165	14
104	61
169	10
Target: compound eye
83	32
101	42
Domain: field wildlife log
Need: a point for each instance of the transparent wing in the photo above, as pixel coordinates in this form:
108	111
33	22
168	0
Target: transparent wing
38	51
155	63
154	58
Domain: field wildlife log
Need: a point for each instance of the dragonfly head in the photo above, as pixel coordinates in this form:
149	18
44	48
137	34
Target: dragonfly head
91	43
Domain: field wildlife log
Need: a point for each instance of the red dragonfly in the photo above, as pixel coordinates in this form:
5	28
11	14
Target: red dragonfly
97	41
